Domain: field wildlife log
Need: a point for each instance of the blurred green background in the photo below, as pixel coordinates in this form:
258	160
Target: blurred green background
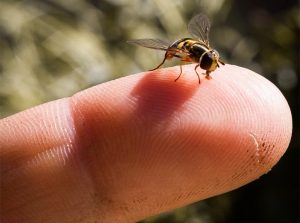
51	49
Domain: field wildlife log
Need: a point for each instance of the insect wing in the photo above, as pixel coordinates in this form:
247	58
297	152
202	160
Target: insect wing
151	43
199	26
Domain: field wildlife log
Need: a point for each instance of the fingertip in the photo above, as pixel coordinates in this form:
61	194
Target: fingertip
216	136
235	107
145	144
247	115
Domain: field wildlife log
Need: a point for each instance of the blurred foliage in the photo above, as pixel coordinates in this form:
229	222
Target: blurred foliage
52	49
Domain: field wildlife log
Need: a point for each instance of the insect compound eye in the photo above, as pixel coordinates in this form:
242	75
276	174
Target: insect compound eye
206	60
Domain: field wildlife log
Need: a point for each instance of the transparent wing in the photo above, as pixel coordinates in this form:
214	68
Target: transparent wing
199	26
151	43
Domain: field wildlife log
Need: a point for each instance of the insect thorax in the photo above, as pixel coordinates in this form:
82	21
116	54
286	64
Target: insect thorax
194	48
197	50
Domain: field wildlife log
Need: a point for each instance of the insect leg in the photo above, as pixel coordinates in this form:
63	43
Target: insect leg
207	75
168	55
198	65
180	73
160	64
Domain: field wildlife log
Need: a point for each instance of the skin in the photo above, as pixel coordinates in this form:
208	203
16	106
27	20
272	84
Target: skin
140	145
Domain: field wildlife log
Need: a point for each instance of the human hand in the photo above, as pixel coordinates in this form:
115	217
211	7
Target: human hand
140	145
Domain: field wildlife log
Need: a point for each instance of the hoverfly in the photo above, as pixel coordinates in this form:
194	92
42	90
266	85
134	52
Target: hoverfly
188	49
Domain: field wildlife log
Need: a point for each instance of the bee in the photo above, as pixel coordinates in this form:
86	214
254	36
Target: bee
188	49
